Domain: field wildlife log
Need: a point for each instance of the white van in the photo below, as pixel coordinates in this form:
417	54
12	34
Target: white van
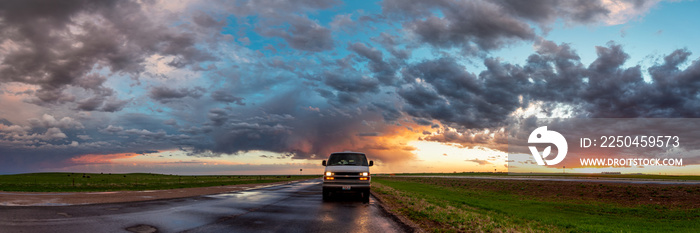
347	172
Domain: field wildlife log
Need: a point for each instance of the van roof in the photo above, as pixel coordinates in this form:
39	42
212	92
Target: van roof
348	152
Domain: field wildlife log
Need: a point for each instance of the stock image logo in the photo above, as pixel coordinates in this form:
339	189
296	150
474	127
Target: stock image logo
542	135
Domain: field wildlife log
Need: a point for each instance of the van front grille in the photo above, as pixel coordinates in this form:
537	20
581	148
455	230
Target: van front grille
347	173
346	178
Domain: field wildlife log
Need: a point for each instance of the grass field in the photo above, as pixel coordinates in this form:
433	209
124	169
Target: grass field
450	174
474	205
572	175
92	182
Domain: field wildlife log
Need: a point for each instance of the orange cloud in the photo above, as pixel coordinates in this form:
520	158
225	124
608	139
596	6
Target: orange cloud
101	158
390	144
495	140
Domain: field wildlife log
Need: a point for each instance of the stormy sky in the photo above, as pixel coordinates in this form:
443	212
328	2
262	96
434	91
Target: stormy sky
258	86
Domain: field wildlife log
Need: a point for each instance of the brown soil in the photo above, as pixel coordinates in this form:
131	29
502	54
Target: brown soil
80	198
672	196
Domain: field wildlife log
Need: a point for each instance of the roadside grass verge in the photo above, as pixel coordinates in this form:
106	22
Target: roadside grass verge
437	215
567	175
440	208
97	182
449	174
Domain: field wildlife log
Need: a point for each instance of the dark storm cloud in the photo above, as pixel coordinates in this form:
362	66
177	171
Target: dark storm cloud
241	137
384	71
102	100
370	134
218	116
90	104
391	43
165	94
63	42
304	134
114	105
448	78
345	98
422	121
673	93
546	11
452	95
90	81
43	97
351	83
285	20
267	8
478	26
204	20
542	11
226	97
554	75
612	90
470	25
587	11
418	95
389	112
303	34
372	54
51	142
556	72
325	93
329	95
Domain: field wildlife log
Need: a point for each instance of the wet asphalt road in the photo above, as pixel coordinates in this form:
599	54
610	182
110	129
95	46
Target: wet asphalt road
295	207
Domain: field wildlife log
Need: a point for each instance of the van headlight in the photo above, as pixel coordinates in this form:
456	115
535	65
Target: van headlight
329	173
364	174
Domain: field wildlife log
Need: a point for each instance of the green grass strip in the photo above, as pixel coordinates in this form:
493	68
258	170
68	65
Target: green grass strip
520	211
93	182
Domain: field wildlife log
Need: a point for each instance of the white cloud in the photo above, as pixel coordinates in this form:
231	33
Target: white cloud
622	11
48	121
52	134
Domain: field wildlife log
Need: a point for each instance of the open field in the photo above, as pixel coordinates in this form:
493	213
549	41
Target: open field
92	182
448	174
444	204
567	175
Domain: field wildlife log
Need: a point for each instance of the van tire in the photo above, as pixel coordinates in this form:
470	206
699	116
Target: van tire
365	196
326	194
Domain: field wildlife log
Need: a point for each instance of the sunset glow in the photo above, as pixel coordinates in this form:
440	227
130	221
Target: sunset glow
272	87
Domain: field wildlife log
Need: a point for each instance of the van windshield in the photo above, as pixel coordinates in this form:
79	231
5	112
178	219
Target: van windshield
347	160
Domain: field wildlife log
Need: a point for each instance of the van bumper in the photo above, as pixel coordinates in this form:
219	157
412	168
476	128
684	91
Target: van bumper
338	186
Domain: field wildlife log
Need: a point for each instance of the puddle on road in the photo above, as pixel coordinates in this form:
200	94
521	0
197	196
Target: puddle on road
102	193
235	194
51	204
142	229
64	214
19	203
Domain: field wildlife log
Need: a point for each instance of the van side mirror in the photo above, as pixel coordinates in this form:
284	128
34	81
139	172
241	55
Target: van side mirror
371	163
323	163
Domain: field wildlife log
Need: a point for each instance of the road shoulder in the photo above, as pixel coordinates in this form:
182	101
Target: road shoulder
84	198
392	212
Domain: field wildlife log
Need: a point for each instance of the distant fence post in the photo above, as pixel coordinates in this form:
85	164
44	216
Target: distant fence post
73	182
